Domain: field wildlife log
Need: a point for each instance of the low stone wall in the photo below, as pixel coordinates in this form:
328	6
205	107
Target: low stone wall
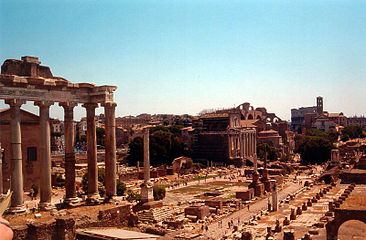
112	217
215	203
61	229
129	176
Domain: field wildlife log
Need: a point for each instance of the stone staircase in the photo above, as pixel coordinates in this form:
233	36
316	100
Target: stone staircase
155	214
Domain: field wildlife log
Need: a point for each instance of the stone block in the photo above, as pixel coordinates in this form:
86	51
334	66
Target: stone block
199	211
304	207
293	214
288	235
214	203
245	195
298	211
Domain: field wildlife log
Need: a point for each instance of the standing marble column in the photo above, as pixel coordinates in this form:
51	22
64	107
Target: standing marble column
45	154
146	187
274	196
110	150
69	133
16	178
93	195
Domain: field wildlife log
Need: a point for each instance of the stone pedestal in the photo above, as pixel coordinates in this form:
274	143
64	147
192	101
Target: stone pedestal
256	185
288	235
293	214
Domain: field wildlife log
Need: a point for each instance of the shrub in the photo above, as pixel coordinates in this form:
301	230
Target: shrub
121	188
132	196
159	192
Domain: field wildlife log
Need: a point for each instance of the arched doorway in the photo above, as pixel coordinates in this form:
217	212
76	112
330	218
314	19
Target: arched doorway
352	230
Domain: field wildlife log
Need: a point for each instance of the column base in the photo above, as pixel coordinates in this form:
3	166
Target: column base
71	201
46	206
110	199
93	199
147	194
17	209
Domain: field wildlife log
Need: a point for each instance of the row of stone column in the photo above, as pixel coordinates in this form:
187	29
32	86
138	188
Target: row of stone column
17	202
249	144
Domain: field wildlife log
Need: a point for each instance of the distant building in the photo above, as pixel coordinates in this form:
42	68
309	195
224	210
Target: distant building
357	121
324	123
298	115
270	137
219	137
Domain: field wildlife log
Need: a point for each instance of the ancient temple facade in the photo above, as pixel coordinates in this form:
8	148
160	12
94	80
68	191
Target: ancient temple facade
220	138
26	80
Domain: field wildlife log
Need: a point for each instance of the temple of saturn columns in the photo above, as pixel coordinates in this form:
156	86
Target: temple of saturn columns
26	80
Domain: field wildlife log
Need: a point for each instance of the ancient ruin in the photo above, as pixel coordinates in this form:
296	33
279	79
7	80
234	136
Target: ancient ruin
27	80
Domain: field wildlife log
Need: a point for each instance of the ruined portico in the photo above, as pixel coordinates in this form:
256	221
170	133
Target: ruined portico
25	80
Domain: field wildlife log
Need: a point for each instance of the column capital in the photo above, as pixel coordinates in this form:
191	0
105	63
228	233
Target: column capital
15	102
67	104
90	105
109	104
43	103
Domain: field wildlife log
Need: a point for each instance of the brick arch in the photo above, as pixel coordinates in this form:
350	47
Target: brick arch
341	216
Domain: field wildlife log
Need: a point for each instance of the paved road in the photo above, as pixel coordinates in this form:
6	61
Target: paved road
216	231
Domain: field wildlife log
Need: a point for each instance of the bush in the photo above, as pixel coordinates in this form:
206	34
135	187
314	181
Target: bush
132	196
121	188
60	182
159	192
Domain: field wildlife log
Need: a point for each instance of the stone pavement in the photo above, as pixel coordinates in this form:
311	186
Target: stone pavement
217	230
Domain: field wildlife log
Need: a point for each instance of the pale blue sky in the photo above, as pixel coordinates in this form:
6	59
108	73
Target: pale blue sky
184	56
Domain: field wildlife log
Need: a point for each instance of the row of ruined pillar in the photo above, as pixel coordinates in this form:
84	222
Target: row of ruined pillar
243	145
16	178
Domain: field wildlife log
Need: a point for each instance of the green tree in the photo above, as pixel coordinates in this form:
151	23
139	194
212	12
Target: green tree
121	188
159	192
100	132
270	150
135	151
315	146
353	132
165	145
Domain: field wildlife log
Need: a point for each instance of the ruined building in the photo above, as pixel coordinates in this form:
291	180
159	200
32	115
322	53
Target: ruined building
26	80
219	137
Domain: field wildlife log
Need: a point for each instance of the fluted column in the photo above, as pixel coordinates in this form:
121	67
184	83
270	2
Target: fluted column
16	178
110	149
45	155
69	134
93	194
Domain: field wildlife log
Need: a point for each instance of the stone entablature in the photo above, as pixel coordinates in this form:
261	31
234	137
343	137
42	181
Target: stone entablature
27	85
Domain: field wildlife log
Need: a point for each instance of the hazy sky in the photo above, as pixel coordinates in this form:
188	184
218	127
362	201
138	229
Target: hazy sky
178	56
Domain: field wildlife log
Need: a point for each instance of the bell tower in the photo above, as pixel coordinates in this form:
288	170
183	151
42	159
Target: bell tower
319	105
